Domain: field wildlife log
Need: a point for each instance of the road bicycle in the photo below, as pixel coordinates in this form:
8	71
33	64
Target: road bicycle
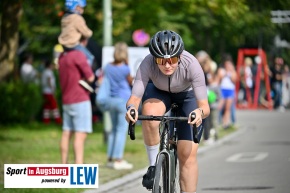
166	178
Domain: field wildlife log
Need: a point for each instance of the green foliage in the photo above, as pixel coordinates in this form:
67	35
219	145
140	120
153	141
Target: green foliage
19	102
217	26
40	25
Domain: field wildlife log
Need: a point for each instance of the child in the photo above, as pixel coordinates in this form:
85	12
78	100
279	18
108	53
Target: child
74	28
48	90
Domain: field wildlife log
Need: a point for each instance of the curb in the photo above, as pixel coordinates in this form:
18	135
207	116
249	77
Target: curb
139	173
118	182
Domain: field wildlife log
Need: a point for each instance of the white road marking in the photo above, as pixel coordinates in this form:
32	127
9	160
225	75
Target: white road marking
247	157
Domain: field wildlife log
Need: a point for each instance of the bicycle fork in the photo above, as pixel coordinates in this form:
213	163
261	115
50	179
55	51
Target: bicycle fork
168	149
169	166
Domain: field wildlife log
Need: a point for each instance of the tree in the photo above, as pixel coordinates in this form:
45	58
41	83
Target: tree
216	26
10	18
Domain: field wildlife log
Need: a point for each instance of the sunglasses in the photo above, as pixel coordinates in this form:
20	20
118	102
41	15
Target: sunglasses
162	61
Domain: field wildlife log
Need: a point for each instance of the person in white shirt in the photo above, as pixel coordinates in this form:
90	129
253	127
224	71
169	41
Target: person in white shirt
48	90
27	72
227	76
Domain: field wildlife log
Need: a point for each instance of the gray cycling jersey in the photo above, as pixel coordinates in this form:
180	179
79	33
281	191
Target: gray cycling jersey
188	75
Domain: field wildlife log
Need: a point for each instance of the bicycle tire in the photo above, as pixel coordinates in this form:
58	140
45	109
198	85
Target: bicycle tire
161	176
176	182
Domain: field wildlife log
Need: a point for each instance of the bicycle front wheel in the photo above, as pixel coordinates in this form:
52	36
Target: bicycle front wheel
161	176
176	182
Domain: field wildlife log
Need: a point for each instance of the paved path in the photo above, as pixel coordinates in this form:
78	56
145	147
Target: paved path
254	159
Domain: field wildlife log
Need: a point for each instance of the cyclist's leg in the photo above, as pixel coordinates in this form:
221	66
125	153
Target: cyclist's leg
155	102
186	148
187	152
150	128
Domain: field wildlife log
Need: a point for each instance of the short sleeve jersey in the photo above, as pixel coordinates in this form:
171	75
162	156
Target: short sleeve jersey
188	76
73	67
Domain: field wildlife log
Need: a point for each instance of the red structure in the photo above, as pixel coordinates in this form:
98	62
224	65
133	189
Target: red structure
261	76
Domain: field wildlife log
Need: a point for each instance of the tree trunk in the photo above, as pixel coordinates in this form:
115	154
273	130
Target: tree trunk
10	18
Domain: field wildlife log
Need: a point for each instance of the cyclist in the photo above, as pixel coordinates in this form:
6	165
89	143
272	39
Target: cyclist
170	74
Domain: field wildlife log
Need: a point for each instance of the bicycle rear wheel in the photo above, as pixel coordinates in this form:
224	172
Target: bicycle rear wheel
161	176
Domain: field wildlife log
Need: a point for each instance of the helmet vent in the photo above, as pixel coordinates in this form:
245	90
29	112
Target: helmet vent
172	48
166	47
166	43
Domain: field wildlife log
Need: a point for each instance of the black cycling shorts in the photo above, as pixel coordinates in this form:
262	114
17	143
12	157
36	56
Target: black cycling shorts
186	104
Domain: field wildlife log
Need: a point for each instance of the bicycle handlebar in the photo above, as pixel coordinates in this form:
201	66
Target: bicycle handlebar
160	118
131	128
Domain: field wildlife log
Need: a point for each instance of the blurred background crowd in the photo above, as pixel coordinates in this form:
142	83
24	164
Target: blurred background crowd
218	33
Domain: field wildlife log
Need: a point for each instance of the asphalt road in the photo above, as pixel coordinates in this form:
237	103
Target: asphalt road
258	160
255	159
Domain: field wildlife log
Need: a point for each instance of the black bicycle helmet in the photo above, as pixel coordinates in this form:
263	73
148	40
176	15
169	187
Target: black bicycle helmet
166	44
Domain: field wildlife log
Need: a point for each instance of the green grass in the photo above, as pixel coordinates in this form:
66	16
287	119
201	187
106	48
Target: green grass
36	143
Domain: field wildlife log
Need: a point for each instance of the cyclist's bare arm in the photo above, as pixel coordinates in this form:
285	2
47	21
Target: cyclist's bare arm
201	112
133	103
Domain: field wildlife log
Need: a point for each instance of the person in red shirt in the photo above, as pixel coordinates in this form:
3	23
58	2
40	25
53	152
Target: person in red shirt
77	110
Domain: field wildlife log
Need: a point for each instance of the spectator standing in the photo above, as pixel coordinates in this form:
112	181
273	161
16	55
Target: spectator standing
247	80
263	96
286	86
118	74
77	110
27	72
206	63
248	72
75	34
48	89
227	77
277	76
